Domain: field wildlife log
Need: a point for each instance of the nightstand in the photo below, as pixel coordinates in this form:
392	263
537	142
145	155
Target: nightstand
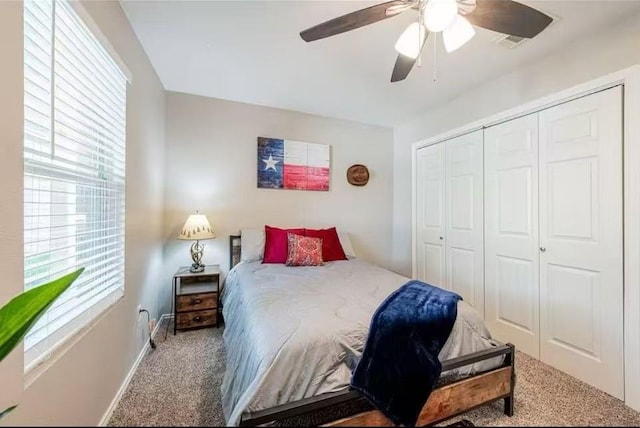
196	298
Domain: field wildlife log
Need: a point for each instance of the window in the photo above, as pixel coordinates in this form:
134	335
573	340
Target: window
74	170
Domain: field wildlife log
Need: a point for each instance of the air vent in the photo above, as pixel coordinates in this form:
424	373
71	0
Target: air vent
510	42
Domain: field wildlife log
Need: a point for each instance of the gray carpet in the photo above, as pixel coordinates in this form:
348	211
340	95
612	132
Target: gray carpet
178	384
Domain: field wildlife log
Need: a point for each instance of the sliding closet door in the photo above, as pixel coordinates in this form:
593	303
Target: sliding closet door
464	219
430	185
581	288
511	238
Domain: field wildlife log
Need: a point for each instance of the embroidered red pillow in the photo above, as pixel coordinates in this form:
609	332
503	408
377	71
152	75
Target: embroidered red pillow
276	244
304	251
331	247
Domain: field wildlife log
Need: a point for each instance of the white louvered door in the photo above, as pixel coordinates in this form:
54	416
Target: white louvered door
581	254
511	238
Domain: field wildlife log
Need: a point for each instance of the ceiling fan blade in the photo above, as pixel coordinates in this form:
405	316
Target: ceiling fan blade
509	17
404	64
402	67
356	19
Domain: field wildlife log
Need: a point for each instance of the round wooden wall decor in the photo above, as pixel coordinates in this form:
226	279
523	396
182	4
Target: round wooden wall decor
358	175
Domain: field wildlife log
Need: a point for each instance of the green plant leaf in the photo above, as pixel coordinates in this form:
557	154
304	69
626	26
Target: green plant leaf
22	312
7	411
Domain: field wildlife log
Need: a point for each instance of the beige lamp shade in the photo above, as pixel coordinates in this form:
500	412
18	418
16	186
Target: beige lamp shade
197	228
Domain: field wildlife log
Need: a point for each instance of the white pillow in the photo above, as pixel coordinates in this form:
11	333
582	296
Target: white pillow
346	244
252	244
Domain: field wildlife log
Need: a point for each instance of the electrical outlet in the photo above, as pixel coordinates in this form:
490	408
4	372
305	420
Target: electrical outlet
139	309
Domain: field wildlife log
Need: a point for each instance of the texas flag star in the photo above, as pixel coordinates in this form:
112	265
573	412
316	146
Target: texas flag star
270	163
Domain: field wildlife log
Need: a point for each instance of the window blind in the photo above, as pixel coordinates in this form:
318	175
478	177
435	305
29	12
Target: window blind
74	170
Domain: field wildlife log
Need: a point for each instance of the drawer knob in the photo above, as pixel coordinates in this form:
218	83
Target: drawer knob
197	318
196	301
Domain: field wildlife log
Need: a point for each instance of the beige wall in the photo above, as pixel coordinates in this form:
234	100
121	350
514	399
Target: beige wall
78	388
589	58
11	238
211	166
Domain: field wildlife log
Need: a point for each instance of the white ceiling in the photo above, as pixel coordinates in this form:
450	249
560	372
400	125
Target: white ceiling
250	51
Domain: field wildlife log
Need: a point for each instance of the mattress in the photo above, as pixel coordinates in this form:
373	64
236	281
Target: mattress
297	332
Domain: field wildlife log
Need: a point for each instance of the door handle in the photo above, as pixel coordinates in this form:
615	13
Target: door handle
543	249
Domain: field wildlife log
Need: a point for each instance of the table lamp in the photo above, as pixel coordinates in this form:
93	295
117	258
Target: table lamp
197	228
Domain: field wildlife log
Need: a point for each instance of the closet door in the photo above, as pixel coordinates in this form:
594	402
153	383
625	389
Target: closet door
581	288
464	219
430	187
511	233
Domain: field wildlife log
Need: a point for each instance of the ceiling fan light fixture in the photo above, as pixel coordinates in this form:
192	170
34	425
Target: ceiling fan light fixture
440	14
456	36
411	40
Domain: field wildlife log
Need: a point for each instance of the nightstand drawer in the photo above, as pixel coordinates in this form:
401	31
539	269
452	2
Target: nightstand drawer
195	302
197	319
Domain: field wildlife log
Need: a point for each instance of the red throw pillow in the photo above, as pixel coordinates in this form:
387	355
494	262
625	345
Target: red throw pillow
276	244
331	247
304	251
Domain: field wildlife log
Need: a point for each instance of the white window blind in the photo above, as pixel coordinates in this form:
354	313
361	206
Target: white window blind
74	170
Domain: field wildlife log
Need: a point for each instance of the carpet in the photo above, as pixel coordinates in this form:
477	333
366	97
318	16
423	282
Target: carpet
178	384
461	423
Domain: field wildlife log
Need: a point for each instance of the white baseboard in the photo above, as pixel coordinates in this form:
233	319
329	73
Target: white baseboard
125	384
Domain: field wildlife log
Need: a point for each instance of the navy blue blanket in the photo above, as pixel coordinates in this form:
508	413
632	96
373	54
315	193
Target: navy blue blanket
399	365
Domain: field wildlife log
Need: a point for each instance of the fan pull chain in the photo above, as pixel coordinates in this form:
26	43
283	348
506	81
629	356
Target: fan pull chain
419	41
435	57
420	34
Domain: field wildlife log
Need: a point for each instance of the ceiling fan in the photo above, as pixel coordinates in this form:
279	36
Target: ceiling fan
453	18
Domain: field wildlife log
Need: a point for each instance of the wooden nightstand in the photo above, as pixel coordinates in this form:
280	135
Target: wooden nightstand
195	298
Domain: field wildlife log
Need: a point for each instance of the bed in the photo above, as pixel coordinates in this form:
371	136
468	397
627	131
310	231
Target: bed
293	336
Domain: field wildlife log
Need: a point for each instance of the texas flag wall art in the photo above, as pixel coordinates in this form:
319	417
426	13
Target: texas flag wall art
286	164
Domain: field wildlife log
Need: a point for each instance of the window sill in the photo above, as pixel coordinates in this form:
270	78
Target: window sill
39	366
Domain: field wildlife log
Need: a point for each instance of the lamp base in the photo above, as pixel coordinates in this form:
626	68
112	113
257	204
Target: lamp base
196	268
196	255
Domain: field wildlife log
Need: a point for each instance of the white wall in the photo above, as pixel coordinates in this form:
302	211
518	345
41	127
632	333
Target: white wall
584	60
211	166
78	387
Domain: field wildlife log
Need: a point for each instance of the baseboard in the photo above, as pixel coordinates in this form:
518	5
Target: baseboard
125	383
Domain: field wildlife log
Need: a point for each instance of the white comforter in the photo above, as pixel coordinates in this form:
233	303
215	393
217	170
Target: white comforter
296	332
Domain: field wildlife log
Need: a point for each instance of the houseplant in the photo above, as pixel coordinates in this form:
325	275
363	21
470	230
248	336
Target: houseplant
24	310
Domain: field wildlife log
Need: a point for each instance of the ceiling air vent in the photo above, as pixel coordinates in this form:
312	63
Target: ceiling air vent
509	41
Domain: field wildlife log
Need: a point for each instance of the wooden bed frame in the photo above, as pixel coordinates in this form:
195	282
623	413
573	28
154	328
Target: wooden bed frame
447	400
